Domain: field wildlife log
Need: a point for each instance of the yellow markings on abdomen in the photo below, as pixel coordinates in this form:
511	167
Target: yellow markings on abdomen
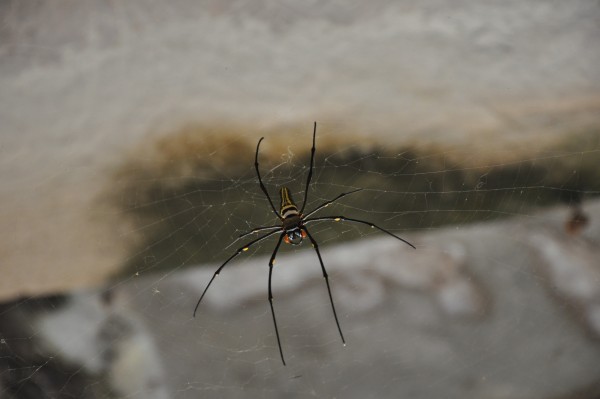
286	197
288	207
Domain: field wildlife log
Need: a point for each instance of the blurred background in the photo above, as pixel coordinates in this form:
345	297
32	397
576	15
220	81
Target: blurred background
128	132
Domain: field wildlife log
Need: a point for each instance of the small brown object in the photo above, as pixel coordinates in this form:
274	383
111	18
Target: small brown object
577	221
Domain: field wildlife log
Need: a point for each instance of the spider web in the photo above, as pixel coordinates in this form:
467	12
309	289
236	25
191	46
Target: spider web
416	321
500	299
409	316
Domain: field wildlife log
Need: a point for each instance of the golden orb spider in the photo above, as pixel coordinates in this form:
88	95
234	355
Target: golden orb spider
293	230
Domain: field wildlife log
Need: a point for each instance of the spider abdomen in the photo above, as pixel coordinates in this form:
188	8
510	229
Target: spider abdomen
288	207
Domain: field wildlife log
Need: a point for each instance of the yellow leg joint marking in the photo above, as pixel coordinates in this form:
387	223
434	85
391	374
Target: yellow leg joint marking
337	219
245	249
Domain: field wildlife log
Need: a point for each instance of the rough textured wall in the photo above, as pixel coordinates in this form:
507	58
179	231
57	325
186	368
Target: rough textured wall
84	83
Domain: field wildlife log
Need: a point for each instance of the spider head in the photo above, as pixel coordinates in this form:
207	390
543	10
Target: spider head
294	236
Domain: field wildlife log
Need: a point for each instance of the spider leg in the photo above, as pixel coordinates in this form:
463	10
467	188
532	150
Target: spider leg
239	251
255	230
310	171
345	219
316	247
327	203
262	186
271	262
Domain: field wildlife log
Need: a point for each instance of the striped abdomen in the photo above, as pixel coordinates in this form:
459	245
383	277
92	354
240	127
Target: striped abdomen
288	207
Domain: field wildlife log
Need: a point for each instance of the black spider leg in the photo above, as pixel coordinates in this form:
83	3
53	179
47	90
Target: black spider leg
239	251
255	230
271	262
316	247
327	203
262	186
345	219
310	171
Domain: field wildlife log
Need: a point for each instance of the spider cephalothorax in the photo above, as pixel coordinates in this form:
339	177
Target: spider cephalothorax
292	229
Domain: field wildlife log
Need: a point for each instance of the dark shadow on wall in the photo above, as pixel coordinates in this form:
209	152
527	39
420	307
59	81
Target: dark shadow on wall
195	190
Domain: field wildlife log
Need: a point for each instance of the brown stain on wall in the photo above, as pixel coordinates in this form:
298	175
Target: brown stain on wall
192	190
178	197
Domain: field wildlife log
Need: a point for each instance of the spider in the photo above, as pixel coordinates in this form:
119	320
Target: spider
292	230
